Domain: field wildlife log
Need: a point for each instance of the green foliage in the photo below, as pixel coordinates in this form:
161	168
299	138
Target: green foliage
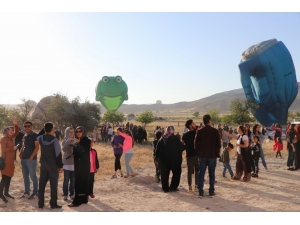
214	114
113	117
196	114
131	115
25	109
240	111
64	112
227	119
146	117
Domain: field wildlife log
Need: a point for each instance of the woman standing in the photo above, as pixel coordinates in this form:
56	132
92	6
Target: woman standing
81	152
117	144
68	163
169	157
128	150
256	132
290	137
243	161
8	153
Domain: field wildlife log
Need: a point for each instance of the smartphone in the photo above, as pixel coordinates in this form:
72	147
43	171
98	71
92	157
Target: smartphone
68	157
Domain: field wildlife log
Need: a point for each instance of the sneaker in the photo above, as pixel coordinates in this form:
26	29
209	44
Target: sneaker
190	189
113	176
31	196
212	194
200	195
65	197
56	207
72	197
92	196
25	195
121	175
4	199
196	188
9	196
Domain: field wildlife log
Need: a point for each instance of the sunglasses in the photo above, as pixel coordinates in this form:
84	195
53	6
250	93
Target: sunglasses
27	126
78	131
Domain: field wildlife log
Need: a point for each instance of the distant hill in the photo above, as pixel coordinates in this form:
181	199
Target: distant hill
219	101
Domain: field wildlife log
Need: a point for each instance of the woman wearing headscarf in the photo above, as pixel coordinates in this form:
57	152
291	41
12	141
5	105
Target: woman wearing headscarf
81	152
169	157
68	163
243	161
8	153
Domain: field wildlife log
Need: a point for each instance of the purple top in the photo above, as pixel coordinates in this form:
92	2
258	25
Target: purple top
116	141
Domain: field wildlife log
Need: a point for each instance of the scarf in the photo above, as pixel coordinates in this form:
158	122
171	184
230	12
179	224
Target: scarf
170	131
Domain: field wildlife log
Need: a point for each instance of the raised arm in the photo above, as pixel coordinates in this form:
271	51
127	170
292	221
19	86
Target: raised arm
229	135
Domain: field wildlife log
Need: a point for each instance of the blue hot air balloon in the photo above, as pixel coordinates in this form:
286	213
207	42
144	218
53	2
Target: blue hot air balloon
268	77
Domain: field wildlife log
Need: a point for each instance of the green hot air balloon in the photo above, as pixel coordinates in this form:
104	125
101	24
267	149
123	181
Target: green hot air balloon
111	92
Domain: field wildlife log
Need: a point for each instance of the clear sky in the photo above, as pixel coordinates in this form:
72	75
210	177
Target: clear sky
168	56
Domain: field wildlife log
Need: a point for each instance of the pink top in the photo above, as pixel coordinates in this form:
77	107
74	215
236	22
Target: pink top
93	161
127	144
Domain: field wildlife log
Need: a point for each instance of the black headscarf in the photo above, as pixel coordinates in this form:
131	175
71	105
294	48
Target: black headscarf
83	131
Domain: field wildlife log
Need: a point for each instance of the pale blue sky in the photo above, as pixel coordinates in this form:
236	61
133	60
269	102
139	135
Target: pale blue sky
168	56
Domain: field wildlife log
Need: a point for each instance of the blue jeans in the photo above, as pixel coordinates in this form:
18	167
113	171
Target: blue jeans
211	163
29	169
227	166
69	176
127	158
262	156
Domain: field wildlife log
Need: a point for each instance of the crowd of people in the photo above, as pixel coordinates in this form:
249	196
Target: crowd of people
79	163
139	134
204	144
76	158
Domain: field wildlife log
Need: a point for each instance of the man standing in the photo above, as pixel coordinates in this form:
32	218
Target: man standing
191	156
28	156
51	161
207	146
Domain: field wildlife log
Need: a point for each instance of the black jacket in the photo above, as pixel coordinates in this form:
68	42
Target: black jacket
169	154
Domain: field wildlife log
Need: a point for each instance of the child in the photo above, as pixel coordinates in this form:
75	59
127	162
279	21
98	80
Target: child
225	159
154	143
93	168
278	146
255	152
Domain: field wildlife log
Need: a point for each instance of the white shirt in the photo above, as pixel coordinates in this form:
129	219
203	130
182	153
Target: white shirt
238	148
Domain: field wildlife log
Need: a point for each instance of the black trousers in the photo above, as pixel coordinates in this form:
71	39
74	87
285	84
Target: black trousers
4	185
117	162
165	173
248	160
91	186
45	175
297	156
278	153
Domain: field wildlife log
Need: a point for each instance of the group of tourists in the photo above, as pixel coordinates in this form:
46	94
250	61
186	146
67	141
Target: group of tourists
79	163
203	146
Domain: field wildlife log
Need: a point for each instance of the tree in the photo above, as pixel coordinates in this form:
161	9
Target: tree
227	119
130	115
214	114
113	117
64	112
240	111
196	114
146	117
25	109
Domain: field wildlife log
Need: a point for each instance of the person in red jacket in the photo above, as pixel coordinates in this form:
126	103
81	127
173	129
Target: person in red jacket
278	146
207	146
94	165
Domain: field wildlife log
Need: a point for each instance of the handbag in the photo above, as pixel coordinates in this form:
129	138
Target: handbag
3	160
2	163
